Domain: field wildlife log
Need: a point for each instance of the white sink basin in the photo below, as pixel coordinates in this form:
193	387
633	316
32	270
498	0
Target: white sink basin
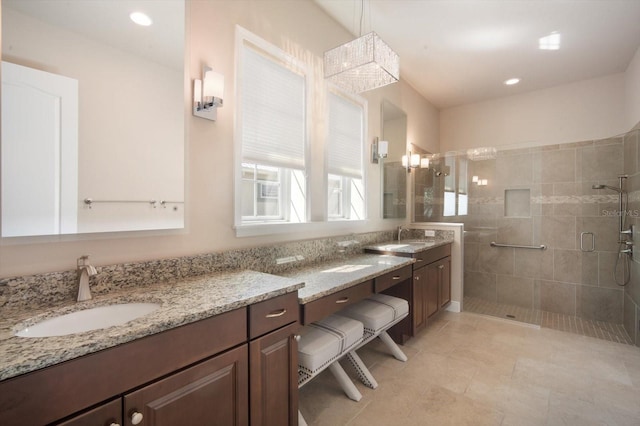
88	319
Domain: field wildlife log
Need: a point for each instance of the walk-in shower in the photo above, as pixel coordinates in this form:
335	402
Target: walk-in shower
625	243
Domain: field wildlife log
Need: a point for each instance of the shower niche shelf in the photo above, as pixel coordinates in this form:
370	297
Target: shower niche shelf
517	202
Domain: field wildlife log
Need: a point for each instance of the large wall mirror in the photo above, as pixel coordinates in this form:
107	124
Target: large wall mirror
92	117
394	175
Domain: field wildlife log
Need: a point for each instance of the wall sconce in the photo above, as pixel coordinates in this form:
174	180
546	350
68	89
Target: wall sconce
478	181
379	150
411	161
207	94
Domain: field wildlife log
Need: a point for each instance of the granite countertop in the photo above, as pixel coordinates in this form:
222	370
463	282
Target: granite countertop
330	277
408	246
181	302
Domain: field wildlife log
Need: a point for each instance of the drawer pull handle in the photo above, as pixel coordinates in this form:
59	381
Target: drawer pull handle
396	277
343	300
419	260
441	267
114	424
276	314
136	418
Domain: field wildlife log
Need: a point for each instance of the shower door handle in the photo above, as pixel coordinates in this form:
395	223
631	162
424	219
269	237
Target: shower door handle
593	241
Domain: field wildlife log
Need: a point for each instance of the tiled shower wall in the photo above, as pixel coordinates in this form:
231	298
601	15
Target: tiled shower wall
559	206
631	316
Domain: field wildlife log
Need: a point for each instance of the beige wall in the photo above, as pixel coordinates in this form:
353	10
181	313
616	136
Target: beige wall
585	110
300	28
632	92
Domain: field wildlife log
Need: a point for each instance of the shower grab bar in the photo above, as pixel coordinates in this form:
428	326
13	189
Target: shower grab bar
593	241
540	247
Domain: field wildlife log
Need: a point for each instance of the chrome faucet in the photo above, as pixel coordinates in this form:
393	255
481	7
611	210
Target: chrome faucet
85	270
400	229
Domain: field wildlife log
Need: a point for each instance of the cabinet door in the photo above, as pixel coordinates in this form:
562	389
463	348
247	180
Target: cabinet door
419	296
273	367
445	281
104	415
432	301
213	392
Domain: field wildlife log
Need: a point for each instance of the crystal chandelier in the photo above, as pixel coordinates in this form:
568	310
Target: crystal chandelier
363	64
482	153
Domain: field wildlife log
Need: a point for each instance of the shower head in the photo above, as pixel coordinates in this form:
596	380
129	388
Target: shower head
613	188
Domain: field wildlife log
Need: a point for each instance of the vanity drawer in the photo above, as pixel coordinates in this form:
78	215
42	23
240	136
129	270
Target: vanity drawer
321	308
392	278
423	258
272	314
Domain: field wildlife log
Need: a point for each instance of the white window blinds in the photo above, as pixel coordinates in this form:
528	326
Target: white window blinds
273	112
346	129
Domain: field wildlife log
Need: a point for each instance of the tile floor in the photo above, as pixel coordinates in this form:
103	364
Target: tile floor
562	322
468	369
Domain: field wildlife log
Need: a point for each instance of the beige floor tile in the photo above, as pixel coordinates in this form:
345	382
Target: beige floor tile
465	370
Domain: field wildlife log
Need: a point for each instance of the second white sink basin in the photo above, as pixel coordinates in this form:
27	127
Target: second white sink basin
88	319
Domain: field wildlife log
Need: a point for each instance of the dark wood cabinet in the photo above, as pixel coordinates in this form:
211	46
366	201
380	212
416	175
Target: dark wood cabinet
419	295
432	292
429	291
273	366
236	368
107	414
444	266
213	392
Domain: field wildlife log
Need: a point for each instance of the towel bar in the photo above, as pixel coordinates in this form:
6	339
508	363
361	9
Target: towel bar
540	247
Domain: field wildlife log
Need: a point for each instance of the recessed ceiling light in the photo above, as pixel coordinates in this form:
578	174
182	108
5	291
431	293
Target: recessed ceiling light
512	81
141	19
550	42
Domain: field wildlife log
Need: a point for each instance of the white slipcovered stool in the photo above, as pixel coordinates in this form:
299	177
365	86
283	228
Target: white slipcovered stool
377	313
321	345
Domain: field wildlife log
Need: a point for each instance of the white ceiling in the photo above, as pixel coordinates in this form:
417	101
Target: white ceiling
456	52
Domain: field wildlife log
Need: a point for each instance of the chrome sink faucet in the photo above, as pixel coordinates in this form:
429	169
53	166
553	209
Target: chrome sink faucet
85	270
400	229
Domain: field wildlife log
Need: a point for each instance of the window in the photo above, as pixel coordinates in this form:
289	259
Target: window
345	142
455	199
271	184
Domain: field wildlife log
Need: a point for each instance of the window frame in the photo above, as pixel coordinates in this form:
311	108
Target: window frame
246	39
332	89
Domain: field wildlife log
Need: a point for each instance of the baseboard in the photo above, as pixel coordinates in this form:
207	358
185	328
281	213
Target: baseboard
454	306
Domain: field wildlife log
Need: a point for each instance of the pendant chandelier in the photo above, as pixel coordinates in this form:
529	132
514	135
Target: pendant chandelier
362	64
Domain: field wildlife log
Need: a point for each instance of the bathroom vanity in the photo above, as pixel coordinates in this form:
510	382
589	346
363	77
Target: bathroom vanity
428	291
232	346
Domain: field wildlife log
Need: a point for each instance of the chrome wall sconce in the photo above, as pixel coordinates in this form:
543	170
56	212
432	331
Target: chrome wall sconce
413	161
478	181
379	150
208	94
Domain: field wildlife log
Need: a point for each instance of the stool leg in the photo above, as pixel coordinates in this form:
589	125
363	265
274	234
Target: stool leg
395	350
363	372
301	421
345	382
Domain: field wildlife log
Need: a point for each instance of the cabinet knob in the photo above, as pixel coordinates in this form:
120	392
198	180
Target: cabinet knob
114	424
417	277
296	337
440	266
136	418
